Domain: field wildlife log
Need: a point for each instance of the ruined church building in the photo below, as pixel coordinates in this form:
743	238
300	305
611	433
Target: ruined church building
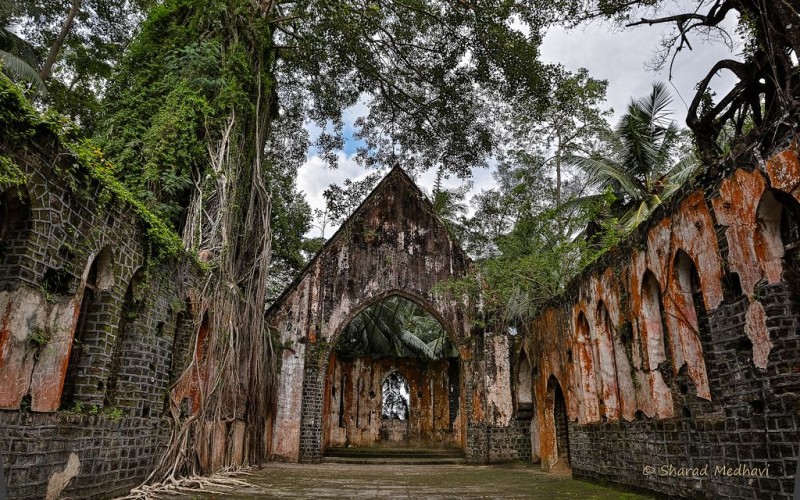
680	347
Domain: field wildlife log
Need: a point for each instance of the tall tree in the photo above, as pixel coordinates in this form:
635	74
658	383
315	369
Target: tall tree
768	91
570	125
198	96
77	44
640	165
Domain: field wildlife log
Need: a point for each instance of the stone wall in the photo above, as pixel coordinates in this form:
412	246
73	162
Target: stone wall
393	244
678	352
113	455
356	387
89	320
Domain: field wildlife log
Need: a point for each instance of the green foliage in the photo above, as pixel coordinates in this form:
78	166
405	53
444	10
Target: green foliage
10	172
20	122
395	327
39	338
93	45
113	413
639	164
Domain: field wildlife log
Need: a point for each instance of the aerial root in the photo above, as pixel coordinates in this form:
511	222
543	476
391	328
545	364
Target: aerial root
224	479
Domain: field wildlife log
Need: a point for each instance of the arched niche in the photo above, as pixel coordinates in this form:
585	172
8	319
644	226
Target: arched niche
122	359
685	309
584	360
656	399
524	387
606	364
14	212
81	383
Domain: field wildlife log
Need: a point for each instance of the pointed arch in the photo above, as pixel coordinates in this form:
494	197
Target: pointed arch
656	396
95	281
606	364
684	308
590	411
524	383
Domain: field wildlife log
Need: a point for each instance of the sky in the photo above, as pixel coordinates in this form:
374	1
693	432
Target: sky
619	56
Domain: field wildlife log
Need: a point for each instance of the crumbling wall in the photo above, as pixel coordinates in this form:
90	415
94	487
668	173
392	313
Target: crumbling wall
681	347
87	328
355	391
392	245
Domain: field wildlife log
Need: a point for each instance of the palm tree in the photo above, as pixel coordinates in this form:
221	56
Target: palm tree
17	57
395	327
639	167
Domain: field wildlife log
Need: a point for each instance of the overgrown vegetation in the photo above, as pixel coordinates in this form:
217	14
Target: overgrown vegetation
20	122
193	113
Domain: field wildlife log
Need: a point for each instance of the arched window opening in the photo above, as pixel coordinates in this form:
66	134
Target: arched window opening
395	397
607	364
767	238
651	327
14	212
686	320
524	388
181	337
131	308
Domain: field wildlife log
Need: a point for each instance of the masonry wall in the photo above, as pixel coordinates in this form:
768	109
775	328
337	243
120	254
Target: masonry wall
89	323
360	382
114	455
678	353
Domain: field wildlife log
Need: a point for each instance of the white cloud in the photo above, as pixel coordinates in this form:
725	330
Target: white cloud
620	56
608	53
314	177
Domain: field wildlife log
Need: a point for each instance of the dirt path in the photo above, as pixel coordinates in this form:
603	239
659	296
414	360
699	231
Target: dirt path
277	480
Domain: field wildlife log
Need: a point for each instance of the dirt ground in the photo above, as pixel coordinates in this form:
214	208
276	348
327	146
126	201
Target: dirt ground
278	480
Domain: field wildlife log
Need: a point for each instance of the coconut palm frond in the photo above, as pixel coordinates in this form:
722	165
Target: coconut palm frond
21	70
581	202
655	106
603	170
683	170
637	215
415	345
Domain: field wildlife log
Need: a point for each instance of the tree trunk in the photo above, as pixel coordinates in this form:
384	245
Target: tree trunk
52	55
558	173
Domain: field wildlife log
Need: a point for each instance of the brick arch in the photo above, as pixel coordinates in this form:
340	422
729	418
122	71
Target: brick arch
393	244
328	364
414	298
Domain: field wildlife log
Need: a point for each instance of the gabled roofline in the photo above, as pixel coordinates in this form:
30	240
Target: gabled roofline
396	171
